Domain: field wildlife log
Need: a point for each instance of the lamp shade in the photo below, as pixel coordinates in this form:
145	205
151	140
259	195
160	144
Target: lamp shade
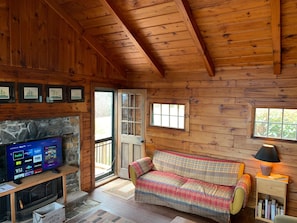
267	153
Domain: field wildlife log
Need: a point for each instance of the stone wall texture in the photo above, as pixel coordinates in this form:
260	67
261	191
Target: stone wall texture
13	131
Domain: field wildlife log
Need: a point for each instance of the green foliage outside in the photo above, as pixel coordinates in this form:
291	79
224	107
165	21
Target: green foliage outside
276	123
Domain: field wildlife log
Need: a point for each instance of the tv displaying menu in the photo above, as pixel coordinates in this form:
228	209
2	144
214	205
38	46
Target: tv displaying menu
28	158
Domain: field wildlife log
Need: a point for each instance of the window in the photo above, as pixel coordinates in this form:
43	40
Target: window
168	115
276	123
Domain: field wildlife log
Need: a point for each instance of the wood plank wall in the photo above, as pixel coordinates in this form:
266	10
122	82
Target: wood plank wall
37	46
221	110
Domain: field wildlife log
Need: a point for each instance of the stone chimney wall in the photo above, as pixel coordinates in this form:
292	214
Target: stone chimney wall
13	131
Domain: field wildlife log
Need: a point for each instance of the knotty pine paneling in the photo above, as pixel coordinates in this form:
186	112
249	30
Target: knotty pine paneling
146	12
37	46
221	111
159	30
4	37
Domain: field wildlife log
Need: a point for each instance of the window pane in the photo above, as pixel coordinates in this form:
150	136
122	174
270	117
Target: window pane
289	132
132	100
124	100
157	120
181	110
173	122
165	109
165	120
131	129
131	115
173	110
124	128
125	114
275	115
156	109
290	116
275	130
260	129
181	122
261	114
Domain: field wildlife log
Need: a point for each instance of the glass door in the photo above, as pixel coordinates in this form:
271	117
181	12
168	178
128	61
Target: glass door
131	123
104	137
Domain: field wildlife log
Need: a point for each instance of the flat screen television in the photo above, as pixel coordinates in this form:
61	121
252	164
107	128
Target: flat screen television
32	157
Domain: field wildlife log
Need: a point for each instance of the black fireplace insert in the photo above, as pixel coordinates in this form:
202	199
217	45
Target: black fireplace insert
35	197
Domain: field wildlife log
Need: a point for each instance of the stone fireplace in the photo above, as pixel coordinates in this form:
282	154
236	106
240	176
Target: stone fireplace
12	131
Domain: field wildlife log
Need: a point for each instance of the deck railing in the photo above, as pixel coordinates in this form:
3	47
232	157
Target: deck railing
103	152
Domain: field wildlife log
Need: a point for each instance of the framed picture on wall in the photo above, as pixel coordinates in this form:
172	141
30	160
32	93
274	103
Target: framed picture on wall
7	94
30	93
76	94
55	93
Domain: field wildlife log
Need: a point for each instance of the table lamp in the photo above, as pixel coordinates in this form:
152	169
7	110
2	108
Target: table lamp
268	155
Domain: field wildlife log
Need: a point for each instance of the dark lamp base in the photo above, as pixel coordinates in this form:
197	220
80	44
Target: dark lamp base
266	169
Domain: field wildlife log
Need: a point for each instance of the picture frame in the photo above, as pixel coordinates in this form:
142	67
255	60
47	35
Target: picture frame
76	94
7	92
30	93
55	93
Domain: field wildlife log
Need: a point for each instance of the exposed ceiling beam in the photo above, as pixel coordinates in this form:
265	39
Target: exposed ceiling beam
90	40
276	35
193	28
137	41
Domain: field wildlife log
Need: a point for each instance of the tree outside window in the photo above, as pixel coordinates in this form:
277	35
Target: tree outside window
279	123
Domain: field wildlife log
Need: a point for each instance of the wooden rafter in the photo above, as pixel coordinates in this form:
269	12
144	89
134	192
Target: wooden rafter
90	40
276	35
137	41
193	28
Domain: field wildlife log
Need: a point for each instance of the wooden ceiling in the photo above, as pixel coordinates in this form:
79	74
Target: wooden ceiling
159	36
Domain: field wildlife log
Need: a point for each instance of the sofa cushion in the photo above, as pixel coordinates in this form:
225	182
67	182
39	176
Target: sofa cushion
207	194
216	171
163	179
185	194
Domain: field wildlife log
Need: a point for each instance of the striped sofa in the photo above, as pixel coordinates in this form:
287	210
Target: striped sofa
205	186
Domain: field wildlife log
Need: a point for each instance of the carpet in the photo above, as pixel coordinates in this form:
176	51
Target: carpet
101	216
121	188
83	208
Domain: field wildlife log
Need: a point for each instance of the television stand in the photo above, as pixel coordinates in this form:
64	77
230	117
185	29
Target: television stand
55	170
35	180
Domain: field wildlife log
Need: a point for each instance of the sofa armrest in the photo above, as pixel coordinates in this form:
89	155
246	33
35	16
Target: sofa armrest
241	194
139	167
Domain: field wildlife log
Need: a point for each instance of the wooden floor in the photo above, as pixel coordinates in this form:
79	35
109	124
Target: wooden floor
145	213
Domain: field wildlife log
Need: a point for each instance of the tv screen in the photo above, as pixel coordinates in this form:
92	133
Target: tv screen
28	158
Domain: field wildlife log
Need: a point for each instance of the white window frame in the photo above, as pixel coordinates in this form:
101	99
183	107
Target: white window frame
186	105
